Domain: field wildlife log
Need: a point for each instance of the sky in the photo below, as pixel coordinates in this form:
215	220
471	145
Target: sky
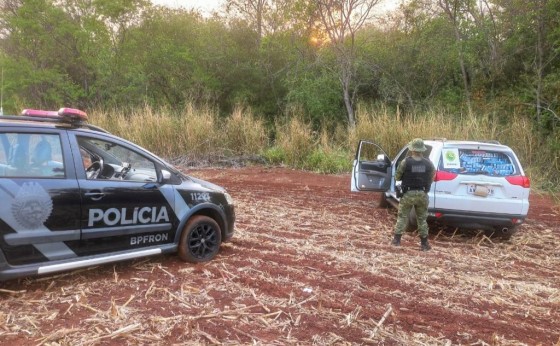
207	6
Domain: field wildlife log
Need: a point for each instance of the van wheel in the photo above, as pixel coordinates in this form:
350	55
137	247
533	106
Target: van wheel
382	201
200	240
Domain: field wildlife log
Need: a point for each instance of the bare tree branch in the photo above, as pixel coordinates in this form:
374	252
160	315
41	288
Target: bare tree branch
341	20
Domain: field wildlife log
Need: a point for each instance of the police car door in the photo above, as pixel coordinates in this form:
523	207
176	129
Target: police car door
39	196
371	170
122	205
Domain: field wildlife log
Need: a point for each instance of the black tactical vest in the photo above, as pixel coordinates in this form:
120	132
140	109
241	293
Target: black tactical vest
417	174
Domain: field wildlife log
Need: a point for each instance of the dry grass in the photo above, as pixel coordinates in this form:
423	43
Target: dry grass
199	133
195	132
244	134
296	139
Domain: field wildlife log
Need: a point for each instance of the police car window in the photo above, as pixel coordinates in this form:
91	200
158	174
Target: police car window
108	160
469	161
31	155
5	148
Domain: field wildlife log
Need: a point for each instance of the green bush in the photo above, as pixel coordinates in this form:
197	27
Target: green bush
331	162
274	155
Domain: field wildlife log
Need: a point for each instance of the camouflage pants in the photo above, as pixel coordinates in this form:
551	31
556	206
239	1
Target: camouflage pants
419	201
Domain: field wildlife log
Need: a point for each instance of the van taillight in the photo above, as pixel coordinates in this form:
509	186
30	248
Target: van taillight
443	175
520	180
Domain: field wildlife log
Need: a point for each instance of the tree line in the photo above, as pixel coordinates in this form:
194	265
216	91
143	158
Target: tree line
317	58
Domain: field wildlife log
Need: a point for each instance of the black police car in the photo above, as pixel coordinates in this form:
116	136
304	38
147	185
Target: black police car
73	195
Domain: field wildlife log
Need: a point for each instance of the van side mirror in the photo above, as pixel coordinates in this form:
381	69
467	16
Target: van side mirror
383	158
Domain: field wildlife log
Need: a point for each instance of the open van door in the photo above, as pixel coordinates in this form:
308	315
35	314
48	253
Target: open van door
371	170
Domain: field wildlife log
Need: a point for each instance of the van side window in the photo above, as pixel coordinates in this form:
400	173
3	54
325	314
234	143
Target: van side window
26	155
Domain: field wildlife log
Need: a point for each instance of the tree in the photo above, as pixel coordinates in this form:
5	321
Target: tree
341	20
545	55
455	11
271	16
40	41
314	88
531	37
68	50
253	11
411	56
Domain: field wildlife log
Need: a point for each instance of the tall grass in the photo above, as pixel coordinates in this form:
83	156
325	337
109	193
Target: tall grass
200	133
243	133
296	139
195	133
392	129
161	131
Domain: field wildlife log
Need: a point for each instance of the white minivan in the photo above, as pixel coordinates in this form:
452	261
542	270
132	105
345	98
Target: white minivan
478	185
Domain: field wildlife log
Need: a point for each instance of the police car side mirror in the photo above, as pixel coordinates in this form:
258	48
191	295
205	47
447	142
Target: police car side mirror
165	175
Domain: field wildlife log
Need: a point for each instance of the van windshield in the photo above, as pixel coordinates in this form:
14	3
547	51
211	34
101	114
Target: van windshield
476	161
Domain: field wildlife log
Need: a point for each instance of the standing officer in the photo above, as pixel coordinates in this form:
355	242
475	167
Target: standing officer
417	174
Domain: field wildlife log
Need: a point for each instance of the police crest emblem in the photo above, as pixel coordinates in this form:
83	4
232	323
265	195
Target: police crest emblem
32	206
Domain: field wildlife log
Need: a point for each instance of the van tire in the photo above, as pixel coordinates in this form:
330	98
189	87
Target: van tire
200	240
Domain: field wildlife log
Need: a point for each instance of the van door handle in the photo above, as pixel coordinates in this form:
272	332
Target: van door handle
96	196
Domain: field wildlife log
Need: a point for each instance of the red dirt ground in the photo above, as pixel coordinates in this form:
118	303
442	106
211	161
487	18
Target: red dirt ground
310	263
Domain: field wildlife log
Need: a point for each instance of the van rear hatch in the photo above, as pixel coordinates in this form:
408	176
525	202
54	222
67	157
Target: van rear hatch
482	179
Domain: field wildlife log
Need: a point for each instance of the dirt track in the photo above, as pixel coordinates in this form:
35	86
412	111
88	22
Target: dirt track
310	264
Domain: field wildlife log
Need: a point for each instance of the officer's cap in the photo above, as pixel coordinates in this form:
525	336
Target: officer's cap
417	144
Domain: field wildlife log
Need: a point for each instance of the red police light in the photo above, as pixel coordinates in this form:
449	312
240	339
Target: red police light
73	114
39	113
69	115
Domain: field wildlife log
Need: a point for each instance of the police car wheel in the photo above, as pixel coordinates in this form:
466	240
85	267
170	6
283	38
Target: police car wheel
200	240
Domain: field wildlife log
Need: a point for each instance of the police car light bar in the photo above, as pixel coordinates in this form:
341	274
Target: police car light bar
40	113
63	114
72	113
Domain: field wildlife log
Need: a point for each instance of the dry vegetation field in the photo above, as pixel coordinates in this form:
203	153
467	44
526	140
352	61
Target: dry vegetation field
310	264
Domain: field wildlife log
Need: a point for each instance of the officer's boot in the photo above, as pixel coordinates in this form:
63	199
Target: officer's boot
397	240
424	246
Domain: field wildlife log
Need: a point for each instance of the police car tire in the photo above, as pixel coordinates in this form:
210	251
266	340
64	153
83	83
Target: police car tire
200	240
